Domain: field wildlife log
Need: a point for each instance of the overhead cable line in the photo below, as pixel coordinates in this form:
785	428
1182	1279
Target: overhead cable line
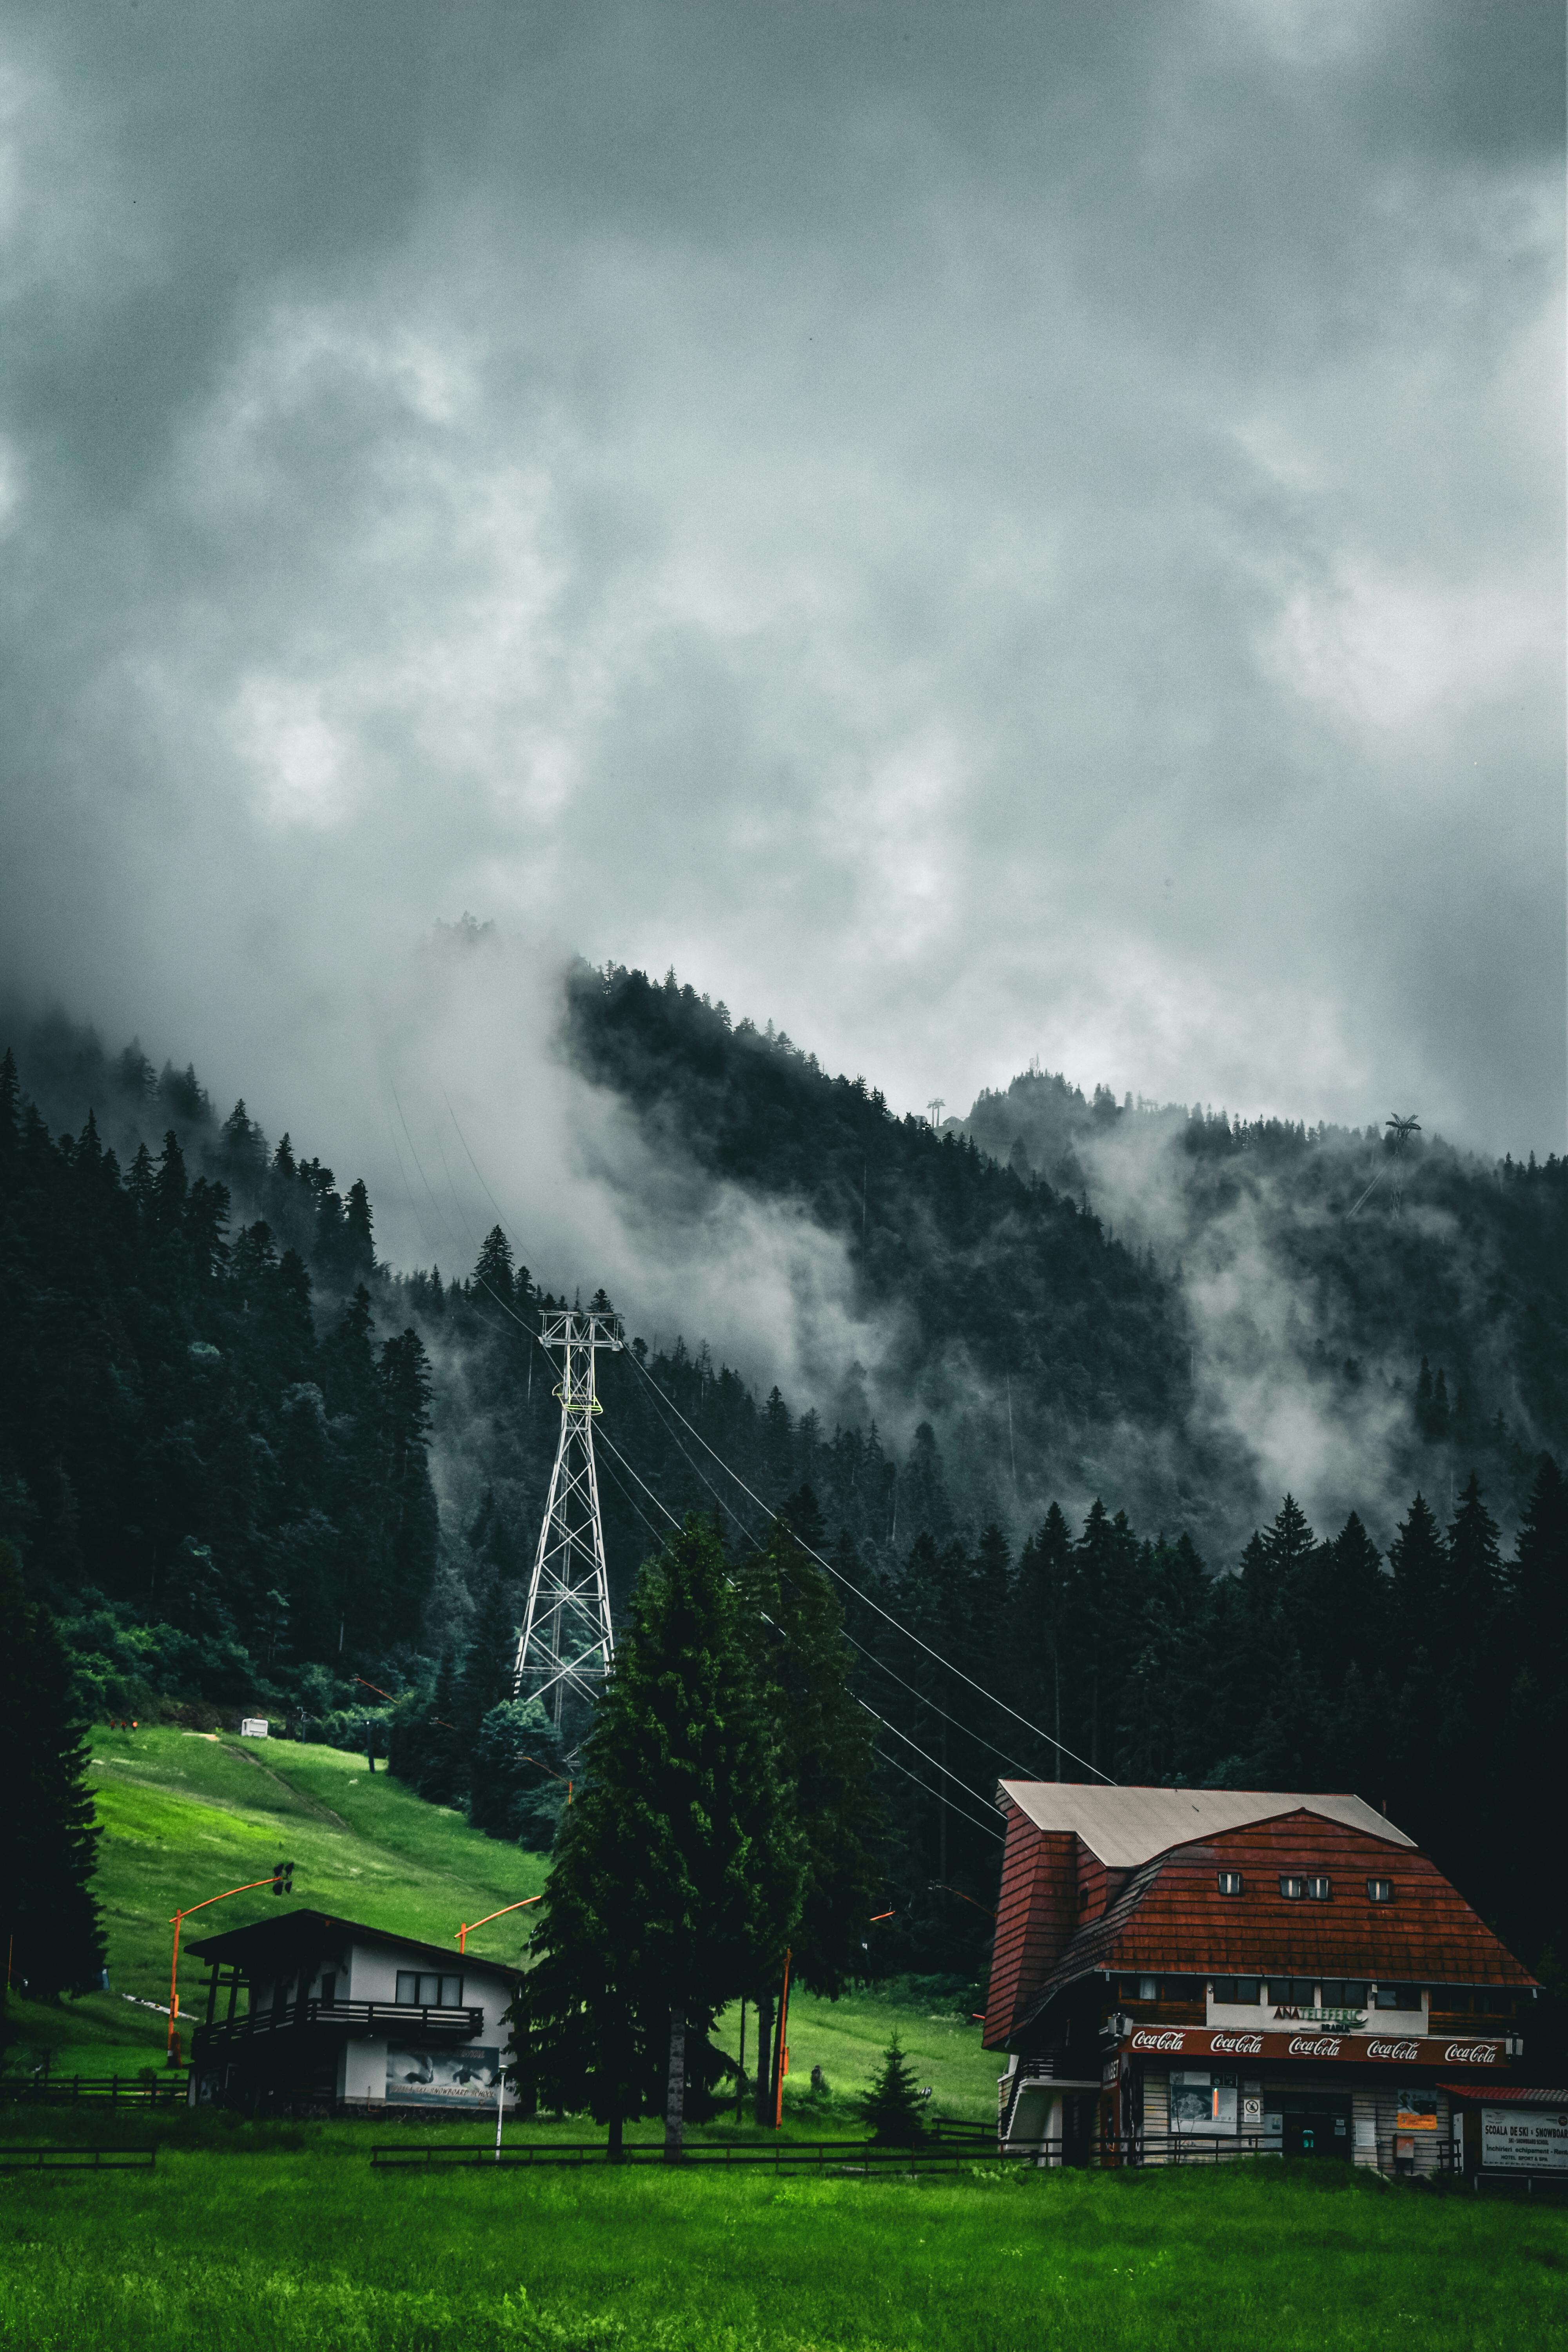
984	1826
946	1774
1058	1745
838	1574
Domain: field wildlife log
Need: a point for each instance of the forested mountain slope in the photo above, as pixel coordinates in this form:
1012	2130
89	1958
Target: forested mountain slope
247	1463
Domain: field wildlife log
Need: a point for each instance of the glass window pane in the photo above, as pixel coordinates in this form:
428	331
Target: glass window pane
407	1986
429	1990
451	1992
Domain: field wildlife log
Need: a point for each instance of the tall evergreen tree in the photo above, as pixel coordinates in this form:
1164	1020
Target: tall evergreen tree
47	1914
677	1874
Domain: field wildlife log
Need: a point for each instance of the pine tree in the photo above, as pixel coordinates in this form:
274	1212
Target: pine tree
892	2107
488	1677
358	1230
678	1873
825	1740
48	1838
1418	1567
492	1278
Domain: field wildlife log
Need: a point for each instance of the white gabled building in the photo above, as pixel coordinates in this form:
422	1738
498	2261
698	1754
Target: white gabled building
309	2009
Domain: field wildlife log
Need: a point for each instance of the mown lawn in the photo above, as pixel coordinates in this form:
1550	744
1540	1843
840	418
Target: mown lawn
280	2237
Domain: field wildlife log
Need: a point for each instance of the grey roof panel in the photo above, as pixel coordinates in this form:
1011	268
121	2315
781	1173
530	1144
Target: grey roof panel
1126	1827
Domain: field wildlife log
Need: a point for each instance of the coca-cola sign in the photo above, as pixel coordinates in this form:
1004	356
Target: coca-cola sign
1356	2049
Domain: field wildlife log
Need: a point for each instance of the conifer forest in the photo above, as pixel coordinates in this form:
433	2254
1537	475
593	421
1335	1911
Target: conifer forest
246	1463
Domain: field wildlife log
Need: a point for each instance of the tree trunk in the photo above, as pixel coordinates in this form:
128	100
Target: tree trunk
617	2139
763	2108
740	2078
675	2105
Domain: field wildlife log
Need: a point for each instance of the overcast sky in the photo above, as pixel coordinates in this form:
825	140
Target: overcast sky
974	531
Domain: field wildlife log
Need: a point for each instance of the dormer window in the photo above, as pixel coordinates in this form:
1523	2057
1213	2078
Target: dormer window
1228	1880
1380	1890
1310	1890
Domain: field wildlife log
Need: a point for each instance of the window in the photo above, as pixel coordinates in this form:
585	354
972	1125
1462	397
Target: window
419	1989
1184	1988
1148	1988
1380	1890
1318	1889
1083	1899
1293	1993
1315	1890
1203	2103
1229	1881
1292	1889
1236	1992
1397	1997
1343	1993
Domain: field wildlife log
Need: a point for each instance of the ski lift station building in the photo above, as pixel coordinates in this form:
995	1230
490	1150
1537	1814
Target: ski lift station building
1181	1973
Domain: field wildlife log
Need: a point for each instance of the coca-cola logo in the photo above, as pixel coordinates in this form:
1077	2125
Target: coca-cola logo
1314	2045
1392	2050
1471	2054
1242	2045
1146	2039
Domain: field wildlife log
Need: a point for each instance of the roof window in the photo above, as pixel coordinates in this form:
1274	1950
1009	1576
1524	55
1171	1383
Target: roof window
1312	1890
1380	1890
1228	1880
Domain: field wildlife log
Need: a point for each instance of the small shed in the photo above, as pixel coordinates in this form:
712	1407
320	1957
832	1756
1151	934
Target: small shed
304	2009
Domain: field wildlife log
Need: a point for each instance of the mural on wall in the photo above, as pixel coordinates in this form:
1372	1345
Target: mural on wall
466	2078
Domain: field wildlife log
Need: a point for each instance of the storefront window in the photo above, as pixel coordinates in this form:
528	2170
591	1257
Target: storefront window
1236	1992
1203	2103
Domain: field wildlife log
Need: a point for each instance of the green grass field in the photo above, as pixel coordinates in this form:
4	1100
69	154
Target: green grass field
277	2237
253	2237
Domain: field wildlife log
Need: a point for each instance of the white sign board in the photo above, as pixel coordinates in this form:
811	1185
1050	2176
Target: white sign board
1524	2139
253	1726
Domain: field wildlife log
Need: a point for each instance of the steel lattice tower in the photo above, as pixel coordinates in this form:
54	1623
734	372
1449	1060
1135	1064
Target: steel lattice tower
566	1642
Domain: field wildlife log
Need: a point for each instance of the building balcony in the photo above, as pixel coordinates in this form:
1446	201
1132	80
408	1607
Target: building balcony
356	2019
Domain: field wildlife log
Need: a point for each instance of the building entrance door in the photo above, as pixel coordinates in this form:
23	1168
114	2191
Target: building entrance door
1316	2123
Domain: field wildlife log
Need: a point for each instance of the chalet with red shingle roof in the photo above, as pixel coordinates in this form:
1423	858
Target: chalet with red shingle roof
1180	1972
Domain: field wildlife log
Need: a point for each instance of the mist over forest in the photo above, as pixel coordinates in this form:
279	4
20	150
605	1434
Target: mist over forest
1088	1393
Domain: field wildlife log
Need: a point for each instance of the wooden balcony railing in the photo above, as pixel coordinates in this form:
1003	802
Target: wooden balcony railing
408	2019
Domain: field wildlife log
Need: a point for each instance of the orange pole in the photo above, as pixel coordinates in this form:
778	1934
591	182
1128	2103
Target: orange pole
783	2028
467	1929
177	1922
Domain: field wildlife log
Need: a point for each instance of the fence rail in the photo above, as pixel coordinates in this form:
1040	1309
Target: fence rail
780	2156
77	2160
166	2089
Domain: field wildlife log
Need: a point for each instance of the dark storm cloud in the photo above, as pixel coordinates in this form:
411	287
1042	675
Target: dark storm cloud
974	531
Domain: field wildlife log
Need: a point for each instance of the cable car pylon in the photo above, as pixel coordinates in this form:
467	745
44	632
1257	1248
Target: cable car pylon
566	1642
